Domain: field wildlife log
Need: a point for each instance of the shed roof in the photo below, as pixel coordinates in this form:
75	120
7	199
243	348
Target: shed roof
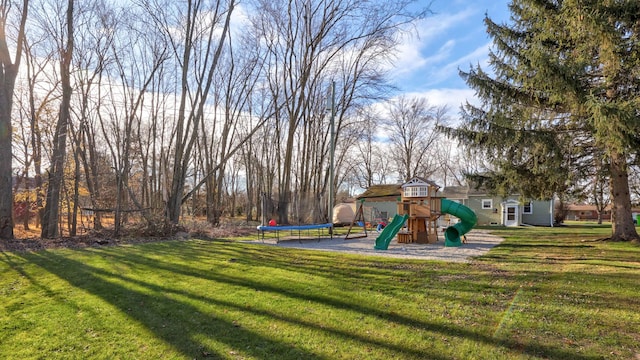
378	191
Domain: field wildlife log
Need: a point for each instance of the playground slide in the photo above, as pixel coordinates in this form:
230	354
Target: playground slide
467	218
384	239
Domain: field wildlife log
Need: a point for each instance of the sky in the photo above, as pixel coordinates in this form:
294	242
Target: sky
453	37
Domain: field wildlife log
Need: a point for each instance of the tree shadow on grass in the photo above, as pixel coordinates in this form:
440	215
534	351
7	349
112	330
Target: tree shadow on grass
322	266
128	293
152	308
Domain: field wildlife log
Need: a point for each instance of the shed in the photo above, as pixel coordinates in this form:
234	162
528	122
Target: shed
380	202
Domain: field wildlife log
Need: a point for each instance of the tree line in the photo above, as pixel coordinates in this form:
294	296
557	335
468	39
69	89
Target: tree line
158	109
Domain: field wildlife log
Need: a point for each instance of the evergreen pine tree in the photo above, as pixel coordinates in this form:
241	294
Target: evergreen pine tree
564	92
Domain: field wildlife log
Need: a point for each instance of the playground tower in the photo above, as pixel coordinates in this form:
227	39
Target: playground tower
421	202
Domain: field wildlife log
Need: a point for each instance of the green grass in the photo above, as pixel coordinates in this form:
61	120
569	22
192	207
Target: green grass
544	293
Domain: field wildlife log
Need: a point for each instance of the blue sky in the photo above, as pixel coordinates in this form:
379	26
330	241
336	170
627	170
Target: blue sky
452	38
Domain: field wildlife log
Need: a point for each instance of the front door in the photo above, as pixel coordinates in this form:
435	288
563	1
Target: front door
511	215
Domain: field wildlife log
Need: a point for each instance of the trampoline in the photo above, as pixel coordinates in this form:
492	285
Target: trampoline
299	228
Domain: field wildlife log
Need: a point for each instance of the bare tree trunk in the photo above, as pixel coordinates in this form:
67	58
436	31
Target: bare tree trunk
76	186
599	185
250	178
8	73
6	151
52	208
94	55
34	113
188	120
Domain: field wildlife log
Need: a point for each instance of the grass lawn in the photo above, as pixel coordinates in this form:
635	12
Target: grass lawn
544	293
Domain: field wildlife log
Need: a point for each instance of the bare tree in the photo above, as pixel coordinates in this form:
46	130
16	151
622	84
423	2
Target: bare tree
8	74
449	163
236	77
135	79
93	44
600	187
412	127
367	156
192	30
35	103
51	209
259	156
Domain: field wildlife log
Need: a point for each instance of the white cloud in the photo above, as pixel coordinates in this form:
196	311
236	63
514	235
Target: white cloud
239	19
411	52
434	27
408	60
452	98
478	56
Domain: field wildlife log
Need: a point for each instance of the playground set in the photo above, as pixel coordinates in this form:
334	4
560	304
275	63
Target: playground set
418	210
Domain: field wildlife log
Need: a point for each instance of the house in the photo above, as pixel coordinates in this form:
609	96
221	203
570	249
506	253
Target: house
584	212
498	210
589	212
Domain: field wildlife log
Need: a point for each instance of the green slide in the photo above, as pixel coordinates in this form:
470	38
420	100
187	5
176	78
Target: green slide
468	220
389	231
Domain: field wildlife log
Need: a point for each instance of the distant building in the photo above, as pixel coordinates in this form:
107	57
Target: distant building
506	211
586	212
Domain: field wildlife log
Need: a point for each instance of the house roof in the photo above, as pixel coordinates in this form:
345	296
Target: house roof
455	192
479	192
463	192
378	191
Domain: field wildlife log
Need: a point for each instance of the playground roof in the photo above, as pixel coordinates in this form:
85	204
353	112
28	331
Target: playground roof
418	181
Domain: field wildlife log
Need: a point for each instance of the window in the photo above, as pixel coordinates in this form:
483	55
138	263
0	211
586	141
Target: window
487	204
527	208
416	191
